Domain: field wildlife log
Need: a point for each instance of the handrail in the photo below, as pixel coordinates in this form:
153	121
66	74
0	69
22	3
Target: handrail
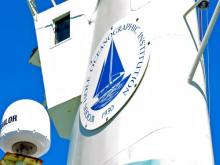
201	4
204	42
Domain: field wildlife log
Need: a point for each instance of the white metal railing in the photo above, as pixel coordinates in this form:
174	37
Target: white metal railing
204	42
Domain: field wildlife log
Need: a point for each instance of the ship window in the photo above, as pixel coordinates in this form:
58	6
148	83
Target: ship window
62	28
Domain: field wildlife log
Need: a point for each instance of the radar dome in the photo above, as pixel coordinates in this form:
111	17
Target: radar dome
25	129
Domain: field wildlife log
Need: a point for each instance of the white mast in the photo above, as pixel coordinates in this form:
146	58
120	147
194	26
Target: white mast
154	116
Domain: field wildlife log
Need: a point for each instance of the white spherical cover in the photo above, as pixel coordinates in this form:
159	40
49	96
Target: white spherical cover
26	121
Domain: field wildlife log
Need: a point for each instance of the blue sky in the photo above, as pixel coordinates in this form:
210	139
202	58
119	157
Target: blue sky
19	80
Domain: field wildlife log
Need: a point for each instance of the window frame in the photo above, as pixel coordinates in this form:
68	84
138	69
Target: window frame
55	21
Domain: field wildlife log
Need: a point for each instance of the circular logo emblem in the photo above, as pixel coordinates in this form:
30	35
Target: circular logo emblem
114	72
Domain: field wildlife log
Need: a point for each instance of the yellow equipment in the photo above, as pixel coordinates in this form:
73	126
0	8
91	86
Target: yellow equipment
17	159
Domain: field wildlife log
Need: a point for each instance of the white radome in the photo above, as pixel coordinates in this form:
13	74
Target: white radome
25	129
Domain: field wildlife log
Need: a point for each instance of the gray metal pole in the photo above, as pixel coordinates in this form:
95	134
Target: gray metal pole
204	41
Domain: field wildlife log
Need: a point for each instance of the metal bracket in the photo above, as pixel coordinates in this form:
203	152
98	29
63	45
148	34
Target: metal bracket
200	3
204	42
204	4
33	8
53	2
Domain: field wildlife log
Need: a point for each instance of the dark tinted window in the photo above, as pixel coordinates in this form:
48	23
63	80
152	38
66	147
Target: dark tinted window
62	29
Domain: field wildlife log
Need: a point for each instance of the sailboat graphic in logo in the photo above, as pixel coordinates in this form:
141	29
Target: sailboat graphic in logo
111	80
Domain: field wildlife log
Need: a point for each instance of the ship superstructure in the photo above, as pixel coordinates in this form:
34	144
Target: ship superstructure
136	105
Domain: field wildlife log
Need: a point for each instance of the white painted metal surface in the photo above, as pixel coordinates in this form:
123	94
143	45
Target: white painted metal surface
166	118
64	64
25	121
